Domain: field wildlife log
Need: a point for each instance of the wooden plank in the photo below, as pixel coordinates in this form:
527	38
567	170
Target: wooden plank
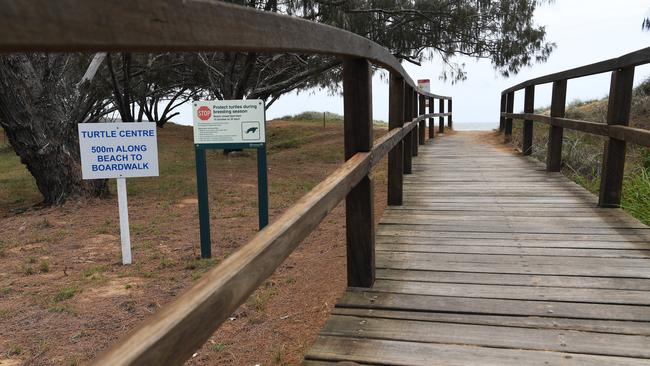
386	352
513	292
359	213
467	305
588	325
422	123
431	120
450	122
630	134
441	120
414	114
555	133
527	131
510	101
618	113
488	336
408	139
532	280
511	250
395	156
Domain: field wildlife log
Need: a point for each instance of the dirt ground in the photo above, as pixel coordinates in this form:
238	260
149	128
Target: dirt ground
65	297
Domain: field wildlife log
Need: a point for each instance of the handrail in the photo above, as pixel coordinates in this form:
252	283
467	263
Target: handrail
616	129
631	59
162	26
187	322
173	334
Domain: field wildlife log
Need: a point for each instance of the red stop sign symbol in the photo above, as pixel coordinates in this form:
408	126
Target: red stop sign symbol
204	113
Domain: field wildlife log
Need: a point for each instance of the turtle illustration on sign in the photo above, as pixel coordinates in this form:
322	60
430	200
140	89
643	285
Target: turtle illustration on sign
251	130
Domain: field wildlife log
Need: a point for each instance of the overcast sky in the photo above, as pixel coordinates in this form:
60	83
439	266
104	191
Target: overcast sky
585	31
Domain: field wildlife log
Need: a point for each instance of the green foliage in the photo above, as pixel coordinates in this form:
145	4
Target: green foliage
65	293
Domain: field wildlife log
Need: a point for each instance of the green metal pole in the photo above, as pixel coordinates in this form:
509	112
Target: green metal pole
262	187
204	208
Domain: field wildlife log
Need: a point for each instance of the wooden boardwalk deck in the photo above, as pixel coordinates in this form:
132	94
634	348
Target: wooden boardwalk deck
493	261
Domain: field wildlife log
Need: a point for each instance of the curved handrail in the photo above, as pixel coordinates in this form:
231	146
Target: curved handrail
157	26
635	58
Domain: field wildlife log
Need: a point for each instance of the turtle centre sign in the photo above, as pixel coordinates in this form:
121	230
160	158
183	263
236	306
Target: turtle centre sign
229	121
118	150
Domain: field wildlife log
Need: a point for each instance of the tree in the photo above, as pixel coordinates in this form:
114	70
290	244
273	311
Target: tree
42	99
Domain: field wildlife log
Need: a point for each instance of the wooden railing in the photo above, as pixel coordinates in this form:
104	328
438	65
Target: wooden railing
616	128
179	328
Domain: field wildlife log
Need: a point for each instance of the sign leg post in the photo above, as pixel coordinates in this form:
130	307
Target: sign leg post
125	235
204	208
262	187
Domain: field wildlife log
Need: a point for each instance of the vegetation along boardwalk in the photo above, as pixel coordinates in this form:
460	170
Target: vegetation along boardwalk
491	260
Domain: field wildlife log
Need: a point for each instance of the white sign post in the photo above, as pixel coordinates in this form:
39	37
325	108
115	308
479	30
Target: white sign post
119	150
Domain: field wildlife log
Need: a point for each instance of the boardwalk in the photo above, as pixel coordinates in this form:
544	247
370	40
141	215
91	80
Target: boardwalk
493	261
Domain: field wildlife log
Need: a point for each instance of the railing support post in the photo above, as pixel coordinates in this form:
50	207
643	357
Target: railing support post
510	101
527	132
431	120
408	138
502	109
618	113
555	133
422	124
449	119
360	232
441	119
416	131
395	158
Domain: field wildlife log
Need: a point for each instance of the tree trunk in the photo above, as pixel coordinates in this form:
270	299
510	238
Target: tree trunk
40	124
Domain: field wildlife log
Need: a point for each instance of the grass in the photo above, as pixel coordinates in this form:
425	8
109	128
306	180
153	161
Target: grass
217	347
65	293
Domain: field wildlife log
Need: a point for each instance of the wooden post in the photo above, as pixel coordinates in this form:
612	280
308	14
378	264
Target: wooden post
441	119
408	138
555	133
618	113
422	124
502	120
510	101
414	114
449	119
431	120
527	132
360	232
395	158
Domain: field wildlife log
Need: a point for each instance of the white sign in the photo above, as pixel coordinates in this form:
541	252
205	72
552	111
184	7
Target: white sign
229	121
424	85
118	150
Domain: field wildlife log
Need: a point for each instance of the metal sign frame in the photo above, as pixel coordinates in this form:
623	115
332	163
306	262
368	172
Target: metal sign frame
202	187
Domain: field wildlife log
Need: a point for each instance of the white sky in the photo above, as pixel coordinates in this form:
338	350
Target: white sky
585	31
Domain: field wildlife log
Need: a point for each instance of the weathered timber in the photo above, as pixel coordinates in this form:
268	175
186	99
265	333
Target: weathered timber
395	156
527	131
441	119
431	120
556	133
618	113
510	101
358	126
423	123
408	139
